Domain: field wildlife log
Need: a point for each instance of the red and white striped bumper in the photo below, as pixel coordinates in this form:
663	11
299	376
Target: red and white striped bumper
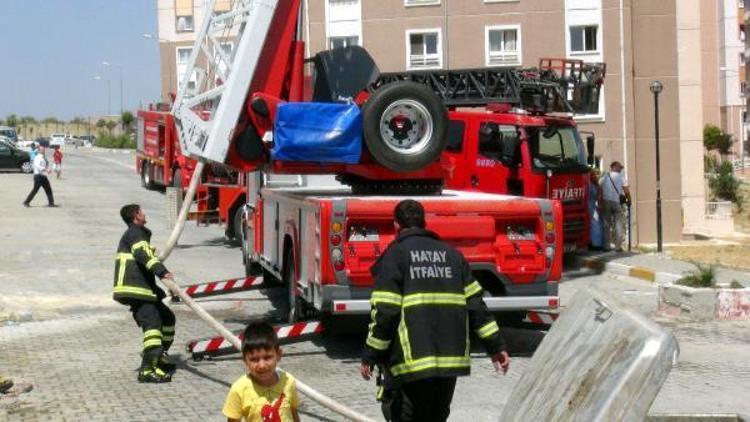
287	333
213	288
542	318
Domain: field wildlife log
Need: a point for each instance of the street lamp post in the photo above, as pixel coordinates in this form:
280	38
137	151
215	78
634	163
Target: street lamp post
99	78
656	88
119	67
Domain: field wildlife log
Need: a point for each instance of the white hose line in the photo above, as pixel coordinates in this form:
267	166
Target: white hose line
224	332
172	241
186	203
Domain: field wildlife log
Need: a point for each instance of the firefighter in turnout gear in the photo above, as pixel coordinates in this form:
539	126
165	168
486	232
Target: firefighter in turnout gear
135	286
424	303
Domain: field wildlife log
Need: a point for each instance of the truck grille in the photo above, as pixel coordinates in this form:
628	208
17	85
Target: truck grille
573	227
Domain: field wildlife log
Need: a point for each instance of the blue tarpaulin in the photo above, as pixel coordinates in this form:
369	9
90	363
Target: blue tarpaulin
318	132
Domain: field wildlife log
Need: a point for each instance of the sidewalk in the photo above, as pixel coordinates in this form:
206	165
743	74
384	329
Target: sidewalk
651	267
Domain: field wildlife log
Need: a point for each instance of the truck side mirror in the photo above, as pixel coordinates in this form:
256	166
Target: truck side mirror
590	145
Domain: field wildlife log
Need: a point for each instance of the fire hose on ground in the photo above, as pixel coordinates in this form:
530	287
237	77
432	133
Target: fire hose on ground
216	325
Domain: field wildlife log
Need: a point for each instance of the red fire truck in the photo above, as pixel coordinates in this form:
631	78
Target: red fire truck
321	241
160	162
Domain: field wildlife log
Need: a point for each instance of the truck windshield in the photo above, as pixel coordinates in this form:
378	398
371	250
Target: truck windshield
557	148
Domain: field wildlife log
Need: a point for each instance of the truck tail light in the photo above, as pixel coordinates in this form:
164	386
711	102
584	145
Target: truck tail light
336	240
337	256
550	237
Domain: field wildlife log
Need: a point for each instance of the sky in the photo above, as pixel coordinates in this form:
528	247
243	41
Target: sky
52	49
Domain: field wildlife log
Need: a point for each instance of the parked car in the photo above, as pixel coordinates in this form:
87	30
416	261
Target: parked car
12	158
57	140
9	132
86	140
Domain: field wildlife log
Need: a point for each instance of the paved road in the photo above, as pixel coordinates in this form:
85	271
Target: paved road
81	349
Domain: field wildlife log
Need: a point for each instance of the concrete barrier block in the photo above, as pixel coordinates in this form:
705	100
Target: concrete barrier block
703	304
600	362
733	304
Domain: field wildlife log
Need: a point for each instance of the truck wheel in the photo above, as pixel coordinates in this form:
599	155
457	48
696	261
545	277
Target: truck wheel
146	179
237	224
405	126
26	167
296	303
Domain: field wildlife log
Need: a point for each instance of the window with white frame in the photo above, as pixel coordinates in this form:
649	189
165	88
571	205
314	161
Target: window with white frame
183	10
343	41
408	3
583	39
423	49
343	23
503	45
182	59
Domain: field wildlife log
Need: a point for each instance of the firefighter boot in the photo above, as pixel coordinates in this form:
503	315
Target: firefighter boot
153	375
165	364
5	385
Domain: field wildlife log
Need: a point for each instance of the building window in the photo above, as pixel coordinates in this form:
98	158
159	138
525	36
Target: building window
423	50
183	11
503	45
743	89
409	3
341	42
583	39
742	59
183	57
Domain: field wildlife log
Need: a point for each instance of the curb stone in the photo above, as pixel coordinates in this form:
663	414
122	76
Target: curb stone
642	273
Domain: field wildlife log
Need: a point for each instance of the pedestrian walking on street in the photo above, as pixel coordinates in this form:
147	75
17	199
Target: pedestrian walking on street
424	302
595	220
614	197
135	286
263	394
57	157
40	179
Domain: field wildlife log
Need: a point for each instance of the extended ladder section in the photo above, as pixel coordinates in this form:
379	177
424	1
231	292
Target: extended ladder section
210	99
557	85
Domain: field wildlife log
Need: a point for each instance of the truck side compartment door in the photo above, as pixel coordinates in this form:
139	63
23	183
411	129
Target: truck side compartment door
491	170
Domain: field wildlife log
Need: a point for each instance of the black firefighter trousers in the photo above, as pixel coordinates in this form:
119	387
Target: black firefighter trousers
157	322
425	400
40	181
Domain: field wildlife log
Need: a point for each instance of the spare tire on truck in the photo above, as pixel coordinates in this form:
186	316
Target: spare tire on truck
405	126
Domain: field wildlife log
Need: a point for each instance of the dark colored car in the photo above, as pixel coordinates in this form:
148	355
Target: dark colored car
12	158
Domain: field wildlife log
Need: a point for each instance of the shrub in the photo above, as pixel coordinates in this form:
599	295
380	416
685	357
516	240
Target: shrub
711	134
725	186
106	140
710	163
701	277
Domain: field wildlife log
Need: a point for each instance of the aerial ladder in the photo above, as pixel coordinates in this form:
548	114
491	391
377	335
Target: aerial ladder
226	105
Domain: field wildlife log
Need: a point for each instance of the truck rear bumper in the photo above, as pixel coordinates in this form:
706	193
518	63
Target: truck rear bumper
495	304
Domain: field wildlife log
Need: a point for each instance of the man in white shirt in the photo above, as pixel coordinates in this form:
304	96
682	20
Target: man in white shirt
40	179
614	196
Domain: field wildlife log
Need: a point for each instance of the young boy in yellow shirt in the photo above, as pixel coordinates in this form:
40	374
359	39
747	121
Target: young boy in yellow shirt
264	394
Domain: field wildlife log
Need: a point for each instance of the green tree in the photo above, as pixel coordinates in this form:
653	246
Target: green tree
11	120
711	134
126	119
101	123
725	186
111	125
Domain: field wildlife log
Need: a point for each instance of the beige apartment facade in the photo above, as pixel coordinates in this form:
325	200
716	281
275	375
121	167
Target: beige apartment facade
640	40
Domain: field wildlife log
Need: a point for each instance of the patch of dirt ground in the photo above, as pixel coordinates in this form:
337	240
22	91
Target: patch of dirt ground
731	256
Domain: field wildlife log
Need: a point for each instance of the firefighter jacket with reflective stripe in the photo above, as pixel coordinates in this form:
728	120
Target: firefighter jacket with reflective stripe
424	304
135	267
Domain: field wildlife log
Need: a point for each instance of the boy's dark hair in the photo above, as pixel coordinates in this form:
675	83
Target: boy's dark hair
128	212
259	335
409	213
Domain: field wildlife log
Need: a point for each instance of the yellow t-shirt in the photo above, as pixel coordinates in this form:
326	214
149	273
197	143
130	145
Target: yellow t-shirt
247	399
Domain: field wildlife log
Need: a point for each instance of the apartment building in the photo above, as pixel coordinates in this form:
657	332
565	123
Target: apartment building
640	40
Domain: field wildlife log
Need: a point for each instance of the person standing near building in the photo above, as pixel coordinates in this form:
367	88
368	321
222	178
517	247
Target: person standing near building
40	179
595	219
424	303
135	286
57	157
614	197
